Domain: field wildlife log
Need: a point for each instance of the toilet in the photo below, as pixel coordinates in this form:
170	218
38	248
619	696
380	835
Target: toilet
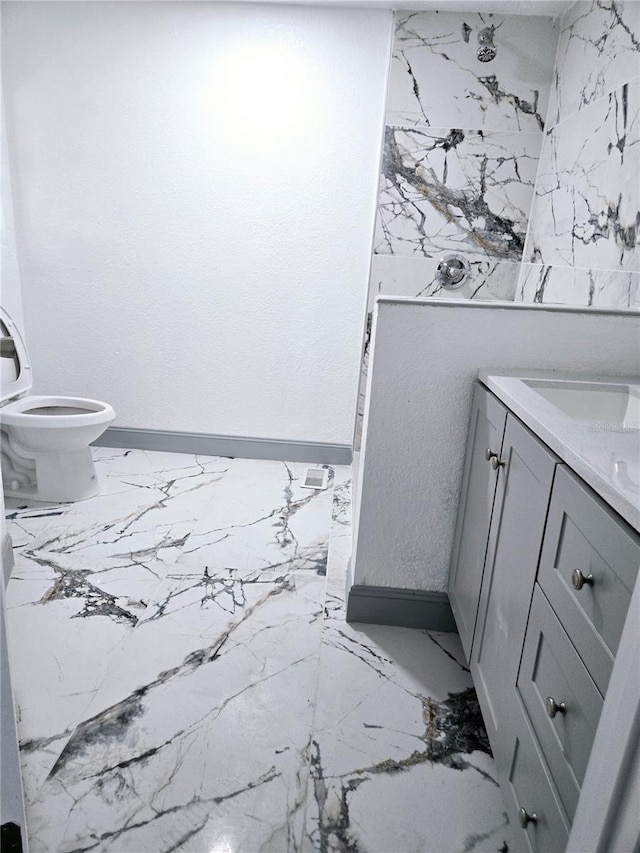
45	440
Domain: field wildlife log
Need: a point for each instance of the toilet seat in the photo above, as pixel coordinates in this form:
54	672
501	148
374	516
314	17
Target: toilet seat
31	411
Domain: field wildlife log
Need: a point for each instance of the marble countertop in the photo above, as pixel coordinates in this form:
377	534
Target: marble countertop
606	455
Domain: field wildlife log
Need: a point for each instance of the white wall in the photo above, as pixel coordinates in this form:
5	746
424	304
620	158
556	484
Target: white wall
425	359
10	296
195	189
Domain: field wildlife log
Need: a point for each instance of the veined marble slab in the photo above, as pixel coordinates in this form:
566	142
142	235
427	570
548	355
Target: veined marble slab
399	275
587	201
99	569
196	607
451	190
389	746
437	79
573	286
598	51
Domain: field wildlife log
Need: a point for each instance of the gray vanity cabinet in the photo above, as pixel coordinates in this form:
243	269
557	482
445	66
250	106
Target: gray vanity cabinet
484	444
541	581
526	472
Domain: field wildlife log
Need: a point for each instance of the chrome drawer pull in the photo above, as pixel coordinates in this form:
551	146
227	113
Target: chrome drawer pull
579	580
554	707
496	463
524	818
489	454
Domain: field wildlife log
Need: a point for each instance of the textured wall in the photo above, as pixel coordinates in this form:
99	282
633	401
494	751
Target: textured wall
425	360
583	241
195	189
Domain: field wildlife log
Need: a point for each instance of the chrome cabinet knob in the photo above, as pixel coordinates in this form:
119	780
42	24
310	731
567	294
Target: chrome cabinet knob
496	462
524	818
489	454
554	707
579	580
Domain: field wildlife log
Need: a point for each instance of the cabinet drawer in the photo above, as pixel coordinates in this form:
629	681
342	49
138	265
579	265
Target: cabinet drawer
583	535
528	786
551	668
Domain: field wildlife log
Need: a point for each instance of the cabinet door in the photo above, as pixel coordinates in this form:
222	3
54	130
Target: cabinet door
551	667
539	822
515	540
486	430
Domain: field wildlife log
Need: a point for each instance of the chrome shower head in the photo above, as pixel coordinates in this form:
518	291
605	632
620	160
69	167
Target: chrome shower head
487	50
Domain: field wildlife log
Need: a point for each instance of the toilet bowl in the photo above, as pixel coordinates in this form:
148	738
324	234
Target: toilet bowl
44	440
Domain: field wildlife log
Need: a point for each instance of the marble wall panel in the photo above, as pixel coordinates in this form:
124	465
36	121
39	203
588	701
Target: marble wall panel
586	211
583	240
577	286
598	51
489	278
437	79
445	190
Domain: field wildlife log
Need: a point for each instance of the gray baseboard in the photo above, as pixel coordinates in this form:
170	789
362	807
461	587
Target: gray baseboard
226	445
407	608
7	557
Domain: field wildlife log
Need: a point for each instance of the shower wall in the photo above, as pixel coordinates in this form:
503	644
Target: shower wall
461	149
462	142
583	242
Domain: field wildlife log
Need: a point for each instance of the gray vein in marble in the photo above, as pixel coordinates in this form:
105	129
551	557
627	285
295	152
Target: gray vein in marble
36	744
586	211
453	729
471	841
462	666
432	46
417	193
599	51
208	802
114	721
228	591
144	769
334	830
75	583
603	288
498	94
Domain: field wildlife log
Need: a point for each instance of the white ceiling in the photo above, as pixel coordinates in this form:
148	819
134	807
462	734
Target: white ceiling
504	7
548	8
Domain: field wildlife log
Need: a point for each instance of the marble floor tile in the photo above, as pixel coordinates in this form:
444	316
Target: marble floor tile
87	574
398	738
187	680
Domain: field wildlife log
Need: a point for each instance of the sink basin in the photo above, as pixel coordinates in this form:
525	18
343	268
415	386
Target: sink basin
616	405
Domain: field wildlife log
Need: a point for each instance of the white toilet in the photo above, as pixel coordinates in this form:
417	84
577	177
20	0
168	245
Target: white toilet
45	440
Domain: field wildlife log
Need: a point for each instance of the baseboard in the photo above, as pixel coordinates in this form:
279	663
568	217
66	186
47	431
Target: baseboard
226	445
407	608
7	557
